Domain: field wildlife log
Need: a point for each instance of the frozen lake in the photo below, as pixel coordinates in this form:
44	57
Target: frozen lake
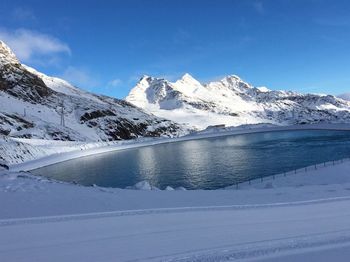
209	163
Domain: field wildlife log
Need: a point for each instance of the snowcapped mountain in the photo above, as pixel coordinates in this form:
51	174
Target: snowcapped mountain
232	101
33	105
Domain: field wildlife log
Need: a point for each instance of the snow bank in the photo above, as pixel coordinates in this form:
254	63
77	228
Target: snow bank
143	185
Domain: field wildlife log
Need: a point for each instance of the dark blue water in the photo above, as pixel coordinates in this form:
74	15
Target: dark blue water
206	163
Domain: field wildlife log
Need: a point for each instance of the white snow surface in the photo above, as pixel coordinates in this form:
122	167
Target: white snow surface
302	217
232	102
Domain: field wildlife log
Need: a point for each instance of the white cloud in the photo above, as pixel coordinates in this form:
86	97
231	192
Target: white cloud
80	77
114	83
30	45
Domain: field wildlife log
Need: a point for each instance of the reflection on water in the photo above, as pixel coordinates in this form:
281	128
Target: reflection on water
206	163
145	159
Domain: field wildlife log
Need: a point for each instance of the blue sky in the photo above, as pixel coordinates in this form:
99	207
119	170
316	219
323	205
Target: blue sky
105	46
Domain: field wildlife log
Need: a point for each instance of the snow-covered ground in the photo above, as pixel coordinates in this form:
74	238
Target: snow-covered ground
302	217
297	217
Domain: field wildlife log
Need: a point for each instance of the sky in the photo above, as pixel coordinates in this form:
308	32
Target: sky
106	46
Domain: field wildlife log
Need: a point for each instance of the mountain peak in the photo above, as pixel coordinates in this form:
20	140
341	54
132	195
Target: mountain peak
188	79
144	78
187	76
6	54
232	78
234	81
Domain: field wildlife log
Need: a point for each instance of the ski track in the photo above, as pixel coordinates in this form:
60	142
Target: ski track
208	234
51	219
263	248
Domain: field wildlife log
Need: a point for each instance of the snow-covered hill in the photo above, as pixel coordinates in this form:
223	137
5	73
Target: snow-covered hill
232	101
31	107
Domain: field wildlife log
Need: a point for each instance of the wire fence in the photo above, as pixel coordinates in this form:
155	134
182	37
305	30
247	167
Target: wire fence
307	169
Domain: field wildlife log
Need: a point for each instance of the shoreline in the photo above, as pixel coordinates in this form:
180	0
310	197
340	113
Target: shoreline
75	154
322	183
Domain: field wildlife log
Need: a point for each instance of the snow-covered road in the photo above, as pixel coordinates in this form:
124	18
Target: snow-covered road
181	235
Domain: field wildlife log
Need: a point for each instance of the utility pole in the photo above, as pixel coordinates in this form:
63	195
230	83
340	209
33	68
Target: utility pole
62	114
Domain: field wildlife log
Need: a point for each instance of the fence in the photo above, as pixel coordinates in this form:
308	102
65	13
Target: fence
291	172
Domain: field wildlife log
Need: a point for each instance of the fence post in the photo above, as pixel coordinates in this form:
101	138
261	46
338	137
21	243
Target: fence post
324	164
262	179
333	162
305	169
295	171
316	166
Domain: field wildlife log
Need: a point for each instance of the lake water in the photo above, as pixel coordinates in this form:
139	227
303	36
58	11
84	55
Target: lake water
205	163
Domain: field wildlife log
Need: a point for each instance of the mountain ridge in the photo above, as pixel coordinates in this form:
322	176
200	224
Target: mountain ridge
232	101
34	105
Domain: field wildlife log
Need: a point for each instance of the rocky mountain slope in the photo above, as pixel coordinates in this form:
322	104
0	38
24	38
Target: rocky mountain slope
232	101
33	105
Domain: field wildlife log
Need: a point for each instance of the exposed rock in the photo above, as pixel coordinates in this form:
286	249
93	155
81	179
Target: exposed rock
33	105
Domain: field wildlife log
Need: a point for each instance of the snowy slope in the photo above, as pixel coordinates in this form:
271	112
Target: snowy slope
232	101
31	107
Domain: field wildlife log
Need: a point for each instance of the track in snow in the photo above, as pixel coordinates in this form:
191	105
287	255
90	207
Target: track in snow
179	234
